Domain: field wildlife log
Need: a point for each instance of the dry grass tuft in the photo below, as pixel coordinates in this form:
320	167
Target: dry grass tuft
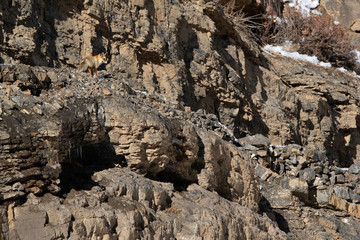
317	35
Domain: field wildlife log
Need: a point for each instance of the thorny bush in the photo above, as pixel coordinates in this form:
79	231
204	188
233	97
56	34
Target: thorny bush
312	35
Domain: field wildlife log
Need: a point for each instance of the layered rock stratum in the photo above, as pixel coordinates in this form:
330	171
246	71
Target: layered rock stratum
191	131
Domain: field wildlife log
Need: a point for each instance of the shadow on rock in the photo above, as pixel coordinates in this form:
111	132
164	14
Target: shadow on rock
274	215
83	162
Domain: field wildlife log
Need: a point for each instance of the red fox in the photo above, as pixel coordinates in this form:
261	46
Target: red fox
92	62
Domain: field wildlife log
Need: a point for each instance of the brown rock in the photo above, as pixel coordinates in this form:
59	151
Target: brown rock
355	27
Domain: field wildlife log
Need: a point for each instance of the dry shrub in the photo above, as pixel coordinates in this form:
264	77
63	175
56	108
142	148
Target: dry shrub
241	20
315	35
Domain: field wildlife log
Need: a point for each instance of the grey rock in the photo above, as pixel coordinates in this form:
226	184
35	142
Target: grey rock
332	178
355	168
257	140
322	196
342	192
355	198
308	174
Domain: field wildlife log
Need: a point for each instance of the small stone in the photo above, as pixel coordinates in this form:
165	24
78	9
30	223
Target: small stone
322	196
106	92
318	182
293	161
277	152
38	110
261	153
319	156
262	172
25	111
355	168
301	160
4	135
212	117
340	179
257	140
357	188
355	198
295	148
294	171
8	104
332	179
318	169
11	195
349	177
298	187
342	192
308	175
17	187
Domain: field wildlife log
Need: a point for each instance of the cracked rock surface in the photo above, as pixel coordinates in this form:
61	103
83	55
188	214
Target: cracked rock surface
190	131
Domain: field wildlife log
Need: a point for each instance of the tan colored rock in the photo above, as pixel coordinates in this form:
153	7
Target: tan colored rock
347	118
299	187
345	12
355	27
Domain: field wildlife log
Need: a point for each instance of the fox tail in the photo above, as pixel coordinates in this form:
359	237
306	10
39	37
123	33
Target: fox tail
82	67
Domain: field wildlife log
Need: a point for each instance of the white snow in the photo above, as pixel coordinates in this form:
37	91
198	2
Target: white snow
223	126
316	12
357	56
305	6
302	57
138	91
342	69
296	55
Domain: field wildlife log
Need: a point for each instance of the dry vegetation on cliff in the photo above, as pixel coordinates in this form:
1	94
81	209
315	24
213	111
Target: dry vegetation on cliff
315	35
191	131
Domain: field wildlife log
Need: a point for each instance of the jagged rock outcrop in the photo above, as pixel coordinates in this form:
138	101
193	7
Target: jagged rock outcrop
347	14
133	207
191	131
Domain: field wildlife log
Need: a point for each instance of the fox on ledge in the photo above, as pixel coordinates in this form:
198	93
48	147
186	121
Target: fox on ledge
92	62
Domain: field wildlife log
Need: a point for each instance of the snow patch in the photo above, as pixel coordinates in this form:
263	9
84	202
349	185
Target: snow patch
296	55
316	12
142	92
305	6
357	53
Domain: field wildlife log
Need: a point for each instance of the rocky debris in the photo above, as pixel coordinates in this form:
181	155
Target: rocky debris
160	146
128	206
308	178
173	138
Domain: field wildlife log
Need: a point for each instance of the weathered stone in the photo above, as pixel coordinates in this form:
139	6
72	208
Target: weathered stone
184	89
355	26
342	192
355	168
262	172
322	196
299	187
257	140
340	179
355	198
307	174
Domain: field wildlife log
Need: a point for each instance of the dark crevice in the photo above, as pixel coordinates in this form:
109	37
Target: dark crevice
82	162
179	183
274	215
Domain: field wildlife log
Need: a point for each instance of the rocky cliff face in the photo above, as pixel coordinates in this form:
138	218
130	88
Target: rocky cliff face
190	132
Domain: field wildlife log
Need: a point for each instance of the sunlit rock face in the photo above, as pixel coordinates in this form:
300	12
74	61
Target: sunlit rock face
191	130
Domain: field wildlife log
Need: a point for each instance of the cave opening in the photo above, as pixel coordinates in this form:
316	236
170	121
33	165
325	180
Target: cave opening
83	161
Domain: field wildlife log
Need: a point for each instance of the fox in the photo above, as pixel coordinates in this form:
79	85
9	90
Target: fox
92	62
